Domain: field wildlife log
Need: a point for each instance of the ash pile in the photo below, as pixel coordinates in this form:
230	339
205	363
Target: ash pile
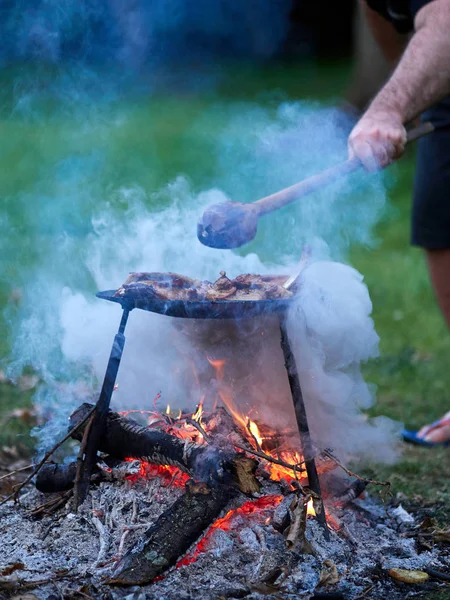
200	506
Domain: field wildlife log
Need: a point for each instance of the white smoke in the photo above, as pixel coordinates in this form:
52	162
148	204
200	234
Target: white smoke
329	324
64	333
161	241
333	334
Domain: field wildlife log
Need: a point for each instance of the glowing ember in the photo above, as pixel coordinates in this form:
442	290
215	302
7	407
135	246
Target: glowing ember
135	411
255	510
169	474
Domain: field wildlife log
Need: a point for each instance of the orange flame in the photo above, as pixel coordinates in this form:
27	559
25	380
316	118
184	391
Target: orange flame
219	366
227	399
199	412
310	508
253	428
225	394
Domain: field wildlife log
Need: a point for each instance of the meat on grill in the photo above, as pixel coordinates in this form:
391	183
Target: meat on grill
172	286
163	286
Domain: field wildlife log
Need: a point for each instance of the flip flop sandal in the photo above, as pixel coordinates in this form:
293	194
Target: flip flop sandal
412	438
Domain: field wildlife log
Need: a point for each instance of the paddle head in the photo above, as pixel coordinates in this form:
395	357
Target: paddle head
228	225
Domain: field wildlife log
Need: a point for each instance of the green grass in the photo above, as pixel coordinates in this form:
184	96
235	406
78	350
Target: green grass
15	430
153	140
411	373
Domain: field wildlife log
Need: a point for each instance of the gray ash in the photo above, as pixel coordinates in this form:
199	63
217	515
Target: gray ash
246	557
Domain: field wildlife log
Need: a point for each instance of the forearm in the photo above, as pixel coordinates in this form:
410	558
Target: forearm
422	76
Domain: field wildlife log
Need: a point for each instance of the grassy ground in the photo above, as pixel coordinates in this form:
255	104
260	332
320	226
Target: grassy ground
412	371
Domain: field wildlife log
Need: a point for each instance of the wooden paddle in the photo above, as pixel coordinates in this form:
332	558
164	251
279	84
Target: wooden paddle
233	224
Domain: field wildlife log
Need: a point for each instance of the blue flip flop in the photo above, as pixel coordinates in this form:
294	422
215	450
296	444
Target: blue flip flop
412	438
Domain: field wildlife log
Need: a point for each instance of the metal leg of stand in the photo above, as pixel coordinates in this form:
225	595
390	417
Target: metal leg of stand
302	421
101	410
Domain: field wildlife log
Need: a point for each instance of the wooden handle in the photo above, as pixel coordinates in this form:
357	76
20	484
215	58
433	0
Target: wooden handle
417	132
316	182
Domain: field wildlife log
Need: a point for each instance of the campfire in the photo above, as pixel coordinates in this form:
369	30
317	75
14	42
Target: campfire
215	457
238	505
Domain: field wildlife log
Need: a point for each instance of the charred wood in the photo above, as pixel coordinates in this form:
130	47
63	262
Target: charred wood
171	535
354	491
89	443
438	574
281	517
124	438
53	477
56	478
222	423
296	535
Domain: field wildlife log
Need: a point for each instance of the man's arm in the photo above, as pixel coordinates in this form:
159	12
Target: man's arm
421	78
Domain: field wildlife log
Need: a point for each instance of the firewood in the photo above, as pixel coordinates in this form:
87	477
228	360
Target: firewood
354	490
171	535
56	478
244	475
53	478
124	438
296	538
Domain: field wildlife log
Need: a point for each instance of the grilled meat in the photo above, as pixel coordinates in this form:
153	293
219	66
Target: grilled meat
163	286
171	286
222	289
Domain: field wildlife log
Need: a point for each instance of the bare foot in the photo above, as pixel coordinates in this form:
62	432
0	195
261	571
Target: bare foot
438	433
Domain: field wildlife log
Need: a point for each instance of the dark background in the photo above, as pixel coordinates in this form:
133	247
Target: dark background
139	33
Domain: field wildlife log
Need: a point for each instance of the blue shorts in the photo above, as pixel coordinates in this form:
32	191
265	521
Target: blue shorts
431	199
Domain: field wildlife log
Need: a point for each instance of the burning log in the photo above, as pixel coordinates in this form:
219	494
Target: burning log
54	478
171	535
124	438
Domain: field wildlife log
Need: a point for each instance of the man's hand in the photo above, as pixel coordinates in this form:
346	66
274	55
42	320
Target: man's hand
422	77
378	138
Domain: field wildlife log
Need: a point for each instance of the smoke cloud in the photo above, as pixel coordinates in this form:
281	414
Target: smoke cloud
64	333
91	216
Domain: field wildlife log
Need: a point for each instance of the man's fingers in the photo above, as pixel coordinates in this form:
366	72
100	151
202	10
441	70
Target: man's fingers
371	154
399	149
374	153
366	154
377	139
